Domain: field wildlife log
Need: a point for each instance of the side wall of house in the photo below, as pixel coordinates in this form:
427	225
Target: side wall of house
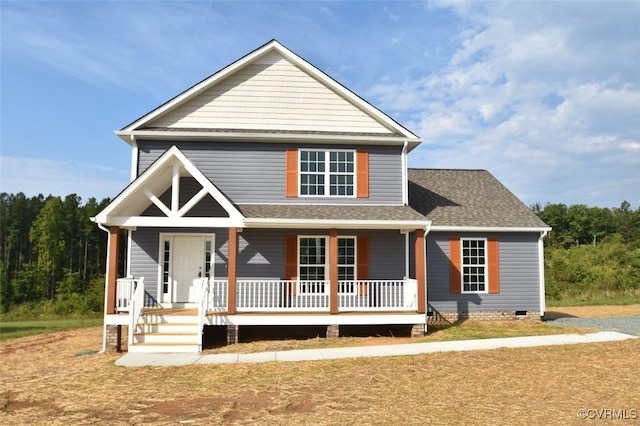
519	275
261	253
254	173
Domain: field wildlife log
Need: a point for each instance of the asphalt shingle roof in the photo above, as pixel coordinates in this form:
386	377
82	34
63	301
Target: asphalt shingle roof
467	198
329	212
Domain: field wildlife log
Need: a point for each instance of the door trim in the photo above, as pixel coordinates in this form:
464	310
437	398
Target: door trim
166	298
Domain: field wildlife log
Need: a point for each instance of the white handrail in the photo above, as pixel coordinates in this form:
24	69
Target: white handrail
203	297
136	307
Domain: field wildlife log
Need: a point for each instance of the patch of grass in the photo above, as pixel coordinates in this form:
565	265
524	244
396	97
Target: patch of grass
595	297
15	329
44	383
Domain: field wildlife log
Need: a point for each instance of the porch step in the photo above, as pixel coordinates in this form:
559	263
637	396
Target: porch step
167	330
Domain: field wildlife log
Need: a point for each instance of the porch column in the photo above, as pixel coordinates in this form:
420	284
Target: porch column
420	269
231	270
333	271
112	268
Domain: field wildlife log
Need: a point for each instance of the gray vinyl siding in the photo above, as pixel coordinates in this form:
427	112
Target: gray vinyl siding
254	173
519	275
260	253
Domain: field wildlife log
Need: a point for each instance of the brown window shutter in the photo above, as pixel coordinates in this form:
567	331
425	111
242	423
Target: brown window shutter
362	263
455	276
291	164
291	261
362	166
493	258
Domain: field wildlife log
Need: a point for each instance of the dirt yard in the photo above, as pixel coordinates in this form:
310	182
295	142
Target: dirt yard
55	379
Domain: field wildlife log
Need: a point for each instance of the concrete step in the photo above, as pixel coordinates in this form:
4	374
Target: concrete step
165	348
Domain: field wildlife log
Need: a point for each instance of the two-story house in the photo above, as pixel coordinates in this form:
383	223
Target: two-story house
270	194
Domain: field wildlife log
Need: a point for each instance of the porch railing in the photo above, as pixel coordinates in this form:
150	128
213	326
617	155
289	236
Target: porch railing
285	296
313	296
124	293
136	306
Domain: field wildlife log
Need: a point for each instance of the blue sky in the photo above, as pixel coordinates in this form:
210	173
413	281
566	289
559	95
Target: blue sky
545	95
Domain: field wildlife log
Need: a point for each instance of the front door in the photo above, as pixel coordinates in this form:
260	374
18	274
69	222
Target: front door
188	258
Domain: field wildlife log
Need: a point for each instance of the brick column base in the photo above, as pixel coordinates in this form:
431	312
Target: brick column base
232	334
417	330
113	338
333	331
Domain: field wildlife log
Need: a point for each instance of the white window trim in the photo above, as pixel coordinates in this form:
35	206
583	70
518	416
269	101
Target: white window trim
170	236
327	173
327	261
485	265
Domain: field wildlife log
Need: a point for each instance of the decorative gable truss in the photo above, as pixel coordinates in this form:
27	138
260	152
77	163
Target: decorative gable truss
130	208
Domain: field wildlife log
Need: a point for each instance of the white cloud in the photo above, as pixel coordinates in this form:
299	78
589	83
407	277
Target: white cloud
34	176
539	94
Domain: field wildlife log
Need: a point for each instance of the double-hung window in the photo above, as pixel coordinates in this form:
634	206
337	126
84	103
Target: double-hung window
313	264
474	266
327	173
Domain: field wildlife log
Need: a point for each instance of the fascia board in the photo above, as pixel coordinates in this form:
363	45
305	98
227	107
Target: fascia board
170	155
181	222
436	228
341	224
263	137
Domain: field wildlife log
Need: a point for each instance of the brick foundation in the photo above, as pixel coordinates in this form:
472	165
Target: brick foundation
113	338
453	317
232	334
333	331
417	330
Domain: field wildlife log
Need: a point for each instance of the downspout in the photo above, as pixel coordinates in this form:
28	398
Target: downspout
134	158
405	177
426	297
541	271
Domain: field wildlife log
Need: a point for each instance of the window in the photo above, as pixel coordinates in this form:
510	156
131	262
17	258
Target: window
346	264
313	264
166	264
319	179
474	266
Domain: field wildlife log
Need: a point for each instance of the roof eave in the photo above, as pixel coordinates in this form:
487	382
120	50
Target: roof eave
450	228
131	136
277	223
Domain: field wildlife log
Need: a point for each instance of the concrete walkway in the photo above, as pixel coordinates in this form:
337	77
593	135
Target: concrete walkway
175	359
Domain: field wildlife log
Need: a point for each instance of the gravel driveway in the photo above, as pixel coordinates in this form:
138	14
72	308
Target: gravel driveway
627	325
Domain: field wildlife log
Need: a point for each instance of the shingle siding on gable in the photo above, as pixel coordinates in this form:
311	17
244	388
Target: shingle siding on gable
519	275
270	94
255	172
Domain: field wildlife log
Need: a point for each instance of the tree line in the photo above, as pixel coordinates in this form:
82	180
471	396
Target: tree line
580	224
50	250
52	254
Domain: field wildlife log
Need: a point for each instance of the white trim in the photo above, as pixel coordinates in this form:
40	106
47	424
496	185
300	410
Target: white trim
327	173
273	45
405	175
441	228
312	319
243	136
174	158
134	158
543	303
333	223
180	222
485	266
128	257
162	237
